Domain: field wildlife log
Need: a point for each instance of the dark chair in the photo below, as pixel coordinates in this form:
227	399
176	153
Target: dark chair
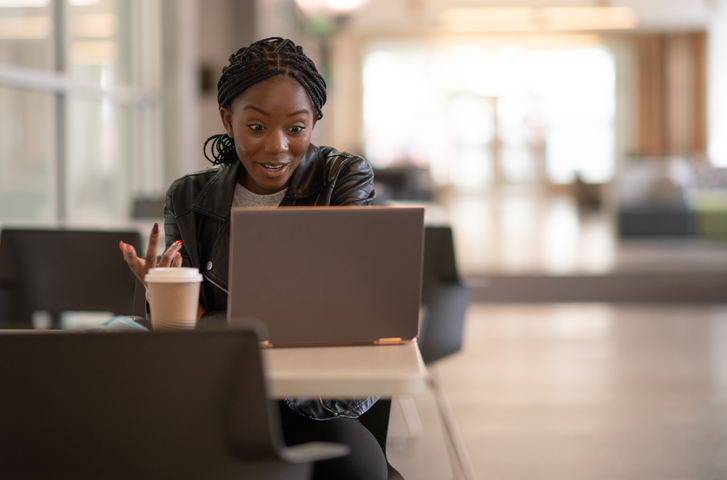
59	270
444	306
444	297
148	208
173	405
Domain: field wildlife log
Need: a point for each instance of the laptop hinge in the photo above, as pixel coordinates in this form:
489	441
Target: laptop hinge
388	341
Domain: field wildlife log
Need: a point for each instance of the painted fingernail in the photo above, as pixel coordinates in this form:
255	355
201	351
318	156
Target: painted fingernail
179	254
178	242
155	230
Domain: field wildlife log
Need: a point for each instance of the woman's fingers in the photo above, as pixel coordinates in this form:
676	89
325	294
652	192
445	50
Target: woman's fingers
136	264
151	251
168	258
140	266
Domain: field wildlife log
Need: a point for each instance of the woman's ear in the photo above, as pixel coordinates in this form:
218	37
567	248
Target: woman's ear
226	116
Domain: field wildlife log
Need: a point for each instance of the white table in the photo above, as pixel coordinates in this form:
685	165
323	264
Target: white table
334	372
340	372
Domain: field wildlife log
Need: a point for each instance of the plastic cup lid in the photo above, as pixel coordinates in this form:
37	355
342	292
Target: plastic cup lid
173	275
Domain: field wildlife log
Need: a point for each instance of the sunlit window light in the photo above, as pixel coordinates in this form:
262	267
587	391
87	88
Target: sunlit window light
97	25
527	113
550	112
94	52
23	3
24	28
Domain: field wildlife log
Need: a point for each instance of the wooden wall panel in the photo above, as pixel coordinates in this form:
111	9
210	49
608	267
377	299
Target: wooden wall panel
672	85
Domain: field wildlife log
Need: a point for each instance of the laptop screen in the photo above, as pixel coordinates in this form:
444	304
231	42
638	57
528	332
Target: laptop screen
327	275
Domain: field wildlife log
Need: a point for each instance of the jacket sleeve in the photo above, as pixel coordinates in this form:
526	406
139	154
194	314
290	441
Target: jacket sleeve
353	182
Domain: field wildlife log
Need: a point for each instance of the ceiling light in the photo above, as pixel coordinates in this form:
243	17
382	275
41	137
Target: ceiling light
490	19
319	8
538	19
589	18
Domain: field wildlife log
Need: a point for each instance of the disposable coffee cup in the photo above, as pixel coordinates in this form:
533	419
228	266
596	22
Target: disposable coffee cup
173	297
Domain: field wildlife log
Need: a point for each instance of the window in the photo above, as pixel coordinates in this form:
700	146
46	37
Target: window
477	114
81	117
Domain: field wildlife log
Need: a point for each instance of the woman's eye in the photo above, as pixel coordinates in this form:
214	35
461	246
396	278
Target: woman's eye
296	129
255	127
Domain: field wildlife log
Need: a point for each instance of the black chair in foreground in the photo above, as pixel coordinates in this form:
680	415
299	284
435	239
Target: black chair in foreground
58	270
174	405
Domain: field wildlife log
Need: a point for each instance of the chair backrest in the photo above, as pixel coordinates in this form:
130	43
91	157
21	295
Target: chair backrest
148	208
133	405
68	270
444	297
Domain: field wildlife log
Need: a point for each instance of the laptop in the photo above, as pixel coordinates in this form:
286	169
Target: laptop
327	275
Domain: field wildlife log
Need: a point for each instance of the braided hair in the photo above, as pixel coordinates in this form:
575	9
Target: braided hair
250	65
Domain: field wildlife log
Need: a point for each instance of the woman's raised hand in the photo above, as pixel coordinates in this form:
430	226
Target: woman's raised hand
140	266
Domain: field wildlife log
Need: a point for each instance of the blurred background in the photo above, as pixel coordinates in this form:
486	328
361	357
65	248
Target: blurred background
555	136
577	148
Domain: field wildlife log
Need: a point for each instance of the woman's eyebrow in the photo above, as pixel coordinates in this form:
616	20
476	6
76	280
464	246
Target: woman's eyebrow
252	107
298	112
293	114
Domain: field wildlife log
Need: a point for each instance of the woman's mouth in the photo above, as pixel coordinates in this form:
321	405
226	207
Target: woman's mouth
273	169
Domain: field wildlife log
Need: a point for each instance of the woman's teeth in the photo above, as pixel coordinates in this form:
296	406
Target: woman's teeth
273	167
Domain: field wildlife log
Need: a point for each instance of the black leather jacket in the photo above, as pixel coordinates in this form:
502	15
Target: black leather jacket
197	211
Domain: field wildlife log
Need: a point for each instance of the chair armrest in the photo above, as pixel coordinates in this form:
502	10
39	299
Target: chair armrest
313	452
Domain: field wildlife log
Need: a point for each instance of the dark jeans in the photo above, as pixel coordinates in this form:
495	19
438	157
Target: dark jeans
366	460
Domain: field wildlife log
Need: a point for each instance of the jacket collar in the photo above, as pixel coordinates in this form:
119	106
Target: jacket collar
309	177
215	198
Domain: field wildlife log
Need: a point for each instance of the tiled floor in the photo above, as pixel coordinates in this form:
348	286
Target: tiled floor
581	391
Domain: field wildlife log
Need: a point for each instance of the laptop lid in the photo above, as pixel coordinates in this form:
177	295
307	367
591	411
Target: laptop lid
327	275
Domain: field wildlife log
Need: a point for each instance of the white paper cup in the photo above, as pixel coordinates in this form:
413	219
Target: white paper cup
173	297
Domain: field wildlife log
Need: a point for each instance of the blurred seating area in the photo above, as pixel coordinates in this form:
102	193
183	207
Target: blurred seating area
405	182
662	197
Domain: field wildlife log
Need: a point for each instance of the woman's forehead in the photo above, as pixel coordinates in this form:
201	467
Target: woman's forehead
280	92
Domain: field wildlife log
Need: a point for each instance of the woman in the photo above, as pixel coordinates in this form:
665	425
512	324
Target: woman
270	97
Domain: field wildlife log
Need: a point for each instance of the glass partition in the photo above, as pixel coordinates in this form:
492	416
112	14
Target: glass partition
81	139
26	34
26	156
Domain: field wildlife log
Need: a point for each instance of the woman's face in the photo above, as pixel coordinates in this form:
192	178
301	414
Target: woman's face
271	124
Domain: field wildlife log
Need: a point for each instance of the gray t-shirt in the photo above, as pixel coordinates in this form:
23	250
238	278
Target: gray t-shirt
245	198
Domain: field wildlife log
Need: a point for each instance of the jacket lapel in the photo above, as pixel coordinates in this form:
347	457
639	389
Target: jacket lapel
308	178
215	198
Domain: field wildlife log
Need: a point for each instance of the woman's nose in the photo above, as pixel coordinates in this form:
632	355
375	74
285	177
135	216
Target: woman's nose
276	142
